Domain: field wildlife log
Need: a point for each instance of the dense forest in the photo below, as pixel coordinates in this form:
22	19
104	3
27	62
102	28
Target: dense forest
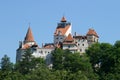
100	62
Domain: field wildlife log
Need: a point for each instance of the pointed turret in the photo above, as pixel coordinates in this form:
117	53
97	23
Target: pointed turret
28	43
63	19
29	36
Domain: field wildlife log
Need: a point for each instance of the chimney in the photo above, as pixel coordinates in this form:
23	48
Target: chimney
20	44
75	34
42	45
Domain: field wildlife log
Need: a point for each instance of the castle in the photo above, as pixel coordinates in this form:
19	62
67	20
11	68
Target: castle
63	38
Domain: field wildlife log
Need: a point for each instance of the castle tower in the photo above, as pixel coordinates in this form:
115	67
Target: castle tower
81	42
27	43
92	36
62	31
29	39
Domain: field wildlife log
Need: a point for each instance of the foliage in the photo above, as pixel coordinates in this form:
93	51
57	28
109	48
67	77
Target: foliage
28	63
24	66
105	60
100	62
6	65
65	60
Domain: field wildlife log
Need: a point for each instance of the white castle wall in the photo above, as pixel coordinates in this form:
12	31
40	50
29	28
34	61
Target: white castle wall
58	38
82	44
44	53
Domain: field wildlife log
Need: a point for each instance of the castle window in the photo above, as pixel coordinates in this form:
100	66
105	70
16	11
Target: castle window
83	40
41	51
68	46
89	40
82	44
59	33
80	50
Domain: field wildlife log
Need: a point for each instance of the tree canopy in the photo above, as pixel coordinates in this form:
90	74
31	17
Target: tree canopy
100	62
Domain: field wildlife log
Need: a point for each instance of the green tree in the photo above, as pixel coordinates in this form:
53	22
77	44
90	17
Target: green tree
6	68
77	76
12	76
58	59
24	66
99	54
28	62
65	60
6	65
105	60
40	73
115	57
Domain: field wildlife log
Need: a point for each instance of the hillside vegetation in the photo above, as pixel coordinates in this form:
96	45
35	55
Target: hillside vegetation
100	62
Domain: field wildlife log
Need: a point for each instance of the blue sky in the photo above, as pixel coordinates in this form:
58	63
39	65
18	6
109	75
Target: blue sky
43	16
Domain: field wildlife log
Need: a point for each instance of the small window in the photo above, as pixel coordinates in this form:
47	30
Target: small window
80	50
56	38
41	51
83	40
61	38
90	37
78	44
82	44
59	33
68	46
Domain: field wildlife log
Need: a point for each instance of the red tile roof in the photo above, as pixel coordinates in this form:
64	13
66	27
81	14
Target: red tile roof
69	38
49	46
92	32
29	36
62	30
26	46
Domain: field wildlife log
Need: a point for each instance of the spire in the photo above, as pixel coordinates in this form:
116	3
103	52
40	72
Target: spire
63	19
29	36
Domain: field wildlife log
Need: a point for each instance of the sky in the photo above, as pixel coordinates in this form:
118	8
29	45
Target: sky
43	16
